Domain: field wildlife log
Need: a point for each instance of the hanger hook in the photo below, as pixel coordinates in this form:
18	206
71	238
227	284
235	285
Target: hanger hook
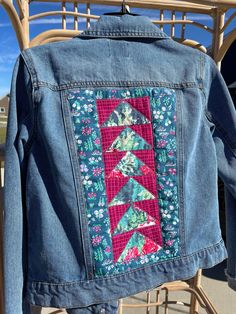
125	8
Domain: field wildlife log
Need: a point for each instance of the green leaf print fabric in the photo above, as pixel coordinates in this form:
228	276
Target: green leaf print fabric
125	114
137	246
131	191
128	140
130	165
134	218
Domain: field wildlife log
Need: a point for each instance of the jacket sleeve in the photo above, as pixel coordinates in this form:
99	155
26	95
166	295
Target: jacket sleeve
220	112
19	128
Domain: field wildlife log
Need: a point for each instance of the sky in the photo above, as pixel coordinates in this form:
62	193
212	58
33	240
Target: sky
9	49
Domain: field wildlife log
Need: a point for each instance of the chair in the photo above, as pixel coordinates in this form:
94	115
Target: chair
178	16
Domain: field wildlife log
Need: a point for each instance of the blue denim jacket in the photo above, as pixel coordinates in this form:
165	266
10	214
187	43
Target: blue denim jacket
114	142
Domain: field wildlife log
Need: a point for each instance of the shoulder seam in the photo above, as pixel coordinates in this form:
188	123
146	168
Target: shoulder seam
26	55
29	65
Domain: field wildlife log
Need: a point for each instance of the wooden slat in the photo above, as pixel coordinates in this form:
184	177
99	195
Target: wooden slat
20	8
172	34
183	26
88	12
76	17
50	13
151	4
215	3
229	20
204	27
161	19
55	33
63	5
16	23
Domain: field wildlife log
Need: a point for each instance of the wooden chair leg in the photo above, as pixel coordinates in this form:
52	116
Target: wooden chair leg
148	301
166	300
196	282
192	286
120	309
157	300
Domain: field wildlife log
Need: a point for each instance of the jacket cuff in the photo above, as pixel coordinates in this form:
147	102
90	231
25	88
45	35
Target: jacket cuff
231	281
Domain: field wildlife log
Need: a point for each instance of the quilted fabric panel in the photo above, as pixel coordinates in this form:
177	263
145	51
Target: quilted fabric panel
130	163
121	241
132	191
138	245
125	114
113	234
130	138
138	112
117	212
135	137
134	218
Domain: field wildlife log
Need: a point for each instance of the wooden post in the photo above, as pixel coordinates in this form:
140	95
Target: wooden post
219	19
25	21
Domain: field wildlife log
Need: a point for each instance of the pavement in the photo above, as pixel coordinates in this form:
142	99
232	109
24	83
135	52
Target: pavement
213	282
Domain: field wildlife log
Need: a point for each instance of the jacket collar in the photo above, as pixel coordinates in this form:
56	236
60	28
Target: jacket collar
123	26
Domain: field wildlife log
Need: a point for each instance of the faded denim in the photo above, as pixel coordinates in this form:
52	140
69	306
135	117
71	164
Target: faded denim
53	269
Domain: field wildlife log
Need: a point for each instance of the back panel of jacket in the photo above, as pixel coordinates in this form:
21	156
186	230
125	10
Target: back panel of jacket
120	164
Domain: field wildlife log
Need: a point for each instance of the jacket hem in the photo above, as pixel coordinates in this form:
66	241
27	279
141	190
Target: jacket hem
100	290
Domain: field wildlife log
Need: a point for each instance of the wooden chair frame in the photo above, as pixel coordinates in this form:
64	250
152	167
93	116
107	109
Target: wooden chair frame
215	9
171	12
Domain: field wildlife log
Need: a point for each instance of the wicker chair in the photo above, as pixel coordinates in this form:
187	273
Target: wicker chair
179	15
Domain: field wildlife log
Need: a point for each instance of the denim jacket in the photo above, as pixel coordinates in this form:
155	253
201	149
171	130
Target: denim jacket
115	140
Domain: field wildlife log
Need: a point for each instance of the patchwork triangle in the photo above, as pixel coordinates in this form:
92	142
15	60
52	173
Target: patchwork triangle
138	245
125	114
132	191
134	218
128	140
130	165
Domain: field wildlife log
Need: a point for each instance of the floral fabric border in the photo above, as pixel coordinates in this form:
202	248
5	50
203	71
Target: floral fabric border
140	246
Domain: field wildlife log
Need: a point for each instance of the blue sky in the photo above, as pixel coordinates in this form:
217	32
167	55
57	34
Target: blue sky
9	49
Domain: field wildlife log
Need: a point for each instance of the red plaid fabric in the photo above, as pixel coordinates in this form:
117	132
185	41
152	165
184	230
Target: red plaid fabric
115	184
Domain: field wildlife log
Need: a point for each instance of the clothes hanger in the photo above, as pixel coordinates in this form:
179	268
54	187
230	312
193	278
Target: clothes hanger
124	10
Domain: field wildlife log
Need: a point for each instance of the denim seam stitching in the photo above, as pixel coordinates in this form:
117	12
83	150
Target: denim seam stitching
27	57
71	146
110	300
78	186
85	84
202	67
181	258
29	63
181	173
123	33
30	140
35	96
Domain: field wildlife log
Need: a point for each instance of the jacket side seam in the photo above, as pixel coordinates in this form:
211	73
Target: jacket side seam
208	116
221	131
180	150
